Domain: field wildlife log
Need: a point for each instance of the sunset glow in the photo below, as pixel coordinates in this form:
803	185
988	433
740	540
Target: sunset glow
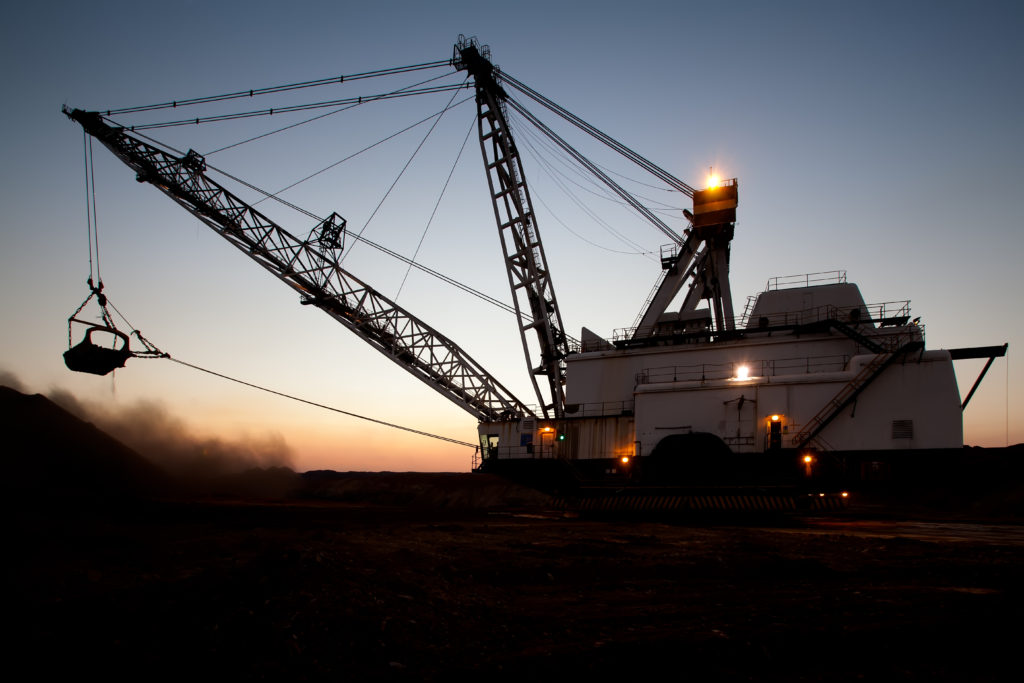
757	118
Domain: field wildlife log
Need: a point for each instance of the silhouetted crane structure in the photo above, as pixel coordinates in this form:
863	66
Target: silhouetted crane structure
312	265
701	398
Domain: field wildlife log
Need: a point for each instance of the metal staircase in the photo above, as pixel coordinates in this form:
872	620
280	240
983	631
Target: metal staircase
849	392
857	336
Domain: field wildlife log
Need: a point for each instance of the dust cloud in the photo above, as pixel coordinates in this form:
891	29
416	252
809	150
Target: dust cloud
150	429
8	379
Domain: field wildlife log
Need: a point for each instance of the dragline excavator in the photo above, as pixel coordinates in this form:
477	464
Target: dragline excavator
688	402
312	267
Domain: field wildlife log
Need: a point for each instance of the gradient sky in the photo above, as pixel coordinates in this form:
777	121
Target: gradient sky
884	139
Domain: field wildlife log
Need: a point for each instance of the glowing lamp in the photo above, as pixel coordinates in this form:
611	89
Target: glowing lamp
808	459
713	181
625	459
742	372
775	418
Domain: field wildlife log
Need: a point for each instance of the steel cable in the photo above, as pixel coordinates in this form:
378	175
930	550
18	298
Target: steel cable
404	168
321	405
361	99
174	104
436	204
318	117
611	142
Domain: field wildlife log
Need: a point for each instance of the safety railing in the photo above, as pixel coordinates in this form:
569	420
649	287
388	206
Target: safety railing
754	368
827	277
887	313
603	409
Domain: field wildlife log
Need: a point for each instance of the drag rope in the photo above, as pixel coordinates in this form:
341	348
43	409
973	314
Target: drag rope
153	352
325	407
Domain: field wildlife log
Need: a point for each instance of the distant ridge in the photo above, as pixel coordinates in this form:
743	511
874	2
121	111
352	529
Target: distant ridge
50	453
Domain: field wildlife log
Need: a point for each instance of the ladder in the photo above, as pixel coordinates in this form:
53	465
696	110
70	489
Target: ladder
857	336
850	391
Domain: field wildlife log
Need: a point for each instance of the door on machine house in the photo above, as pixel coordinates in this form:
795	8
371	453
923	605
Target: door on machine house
740	424
547	443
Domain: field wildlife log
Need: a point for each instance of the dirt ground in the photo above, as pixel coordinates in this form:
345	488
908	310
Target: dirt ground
381	581
116	571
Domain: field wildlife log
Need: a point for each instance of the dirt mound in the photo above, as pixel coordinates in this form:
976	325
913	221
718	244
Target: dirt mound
51	455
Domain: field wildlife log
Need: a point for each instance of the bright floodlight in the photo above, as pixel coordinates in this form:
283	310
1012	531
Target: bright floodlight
742	372
713	181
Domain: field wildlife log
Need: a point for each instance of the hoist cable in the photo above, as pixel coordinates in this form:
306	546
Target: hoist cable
567	162
581	237
361	99
611	142
576	200
402	172
569	149
95	216
599	190
545	166
86	144
325	407
603	193
433	213
659	188
278	88
317	117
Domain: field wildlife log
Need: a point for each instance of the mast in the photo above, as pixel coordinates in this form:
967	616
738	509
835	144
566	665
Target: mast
528	273
703	259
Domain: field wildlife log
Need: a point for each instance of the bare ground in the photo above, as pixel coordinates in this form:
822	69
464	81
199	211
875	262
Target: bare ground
114	573
310	590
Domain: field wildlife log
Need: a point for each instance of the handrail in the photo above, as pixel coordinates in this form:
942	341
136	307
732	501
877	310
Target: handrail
850	391
884	314
806	280
758	368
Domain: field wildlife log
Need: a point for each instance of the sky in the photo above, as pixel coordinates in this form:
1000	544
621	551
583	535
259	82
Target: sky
879	138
